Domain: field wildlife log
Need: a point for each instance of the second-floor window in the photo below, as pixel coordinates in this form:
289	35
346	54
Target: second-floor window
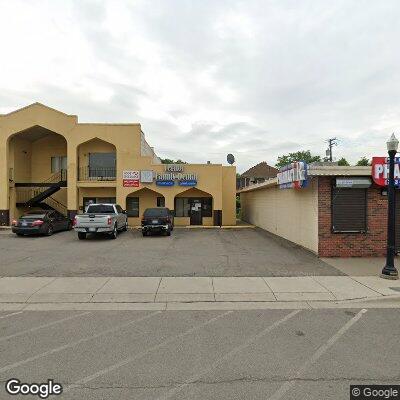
58	163
102	165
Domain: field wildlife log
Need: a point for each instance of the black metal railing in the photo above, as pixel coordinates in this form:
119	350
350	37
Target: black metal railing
96	174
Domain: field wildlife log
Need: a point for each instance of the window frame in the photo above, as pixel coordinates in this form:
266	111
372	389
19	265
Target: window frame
365	211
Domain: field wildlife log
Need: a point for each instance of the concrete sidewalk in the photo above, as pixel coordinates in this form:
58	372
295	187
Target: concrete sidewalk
184	292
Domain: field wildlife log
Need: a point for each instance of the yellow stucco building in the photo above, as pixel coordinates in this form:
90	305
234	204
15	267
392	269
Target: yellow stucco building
47	157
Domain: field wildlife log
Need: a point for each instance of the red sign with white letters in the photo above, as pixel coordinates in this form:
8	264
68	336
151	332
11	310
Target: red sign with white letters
130	182
380	170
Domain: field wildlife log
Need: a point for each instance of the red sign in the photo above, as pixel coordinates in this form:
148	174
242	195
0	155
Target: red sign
380	170
130	182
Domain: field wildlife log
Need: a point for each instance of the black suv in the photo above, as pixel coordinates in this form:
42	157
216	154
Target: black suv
158	219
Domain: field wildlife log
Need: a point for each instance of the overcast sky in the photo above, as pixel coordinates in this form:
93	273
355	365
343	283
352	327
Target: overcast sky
205	78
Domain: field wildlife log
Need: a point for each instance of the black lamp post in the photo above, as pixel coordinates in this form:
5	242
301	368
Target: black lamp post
389	271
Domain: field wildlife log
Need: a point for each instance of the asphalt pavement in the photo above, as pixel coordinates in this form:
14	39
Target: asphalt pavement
187	252
259	354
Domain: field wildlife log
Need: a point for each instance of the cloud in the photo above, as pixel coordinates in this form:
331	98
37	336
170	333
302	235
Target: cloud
254	78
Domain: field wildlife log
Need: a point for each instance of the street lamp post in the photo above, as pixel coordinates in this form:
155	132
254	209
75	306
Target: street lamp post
389	271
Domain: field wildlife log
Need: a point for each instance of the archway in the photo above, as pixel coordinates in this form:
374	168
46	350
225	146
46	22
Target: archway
139	200
193	207
97	160
37	162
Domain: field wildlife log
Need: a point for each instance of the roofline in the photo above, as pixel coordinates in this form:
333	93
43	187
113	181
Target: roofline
315	171
40	104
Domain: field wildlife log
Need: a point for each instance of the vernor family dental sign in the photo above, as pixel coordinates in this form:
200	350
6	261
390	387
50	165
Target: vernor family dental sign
380	170
293	175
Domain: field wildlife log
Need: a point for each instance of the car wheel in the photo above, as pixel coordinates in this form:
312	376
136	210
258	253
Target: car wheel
114	233
125	228
168	232
144	234
69	227
81	235
49	231
19	234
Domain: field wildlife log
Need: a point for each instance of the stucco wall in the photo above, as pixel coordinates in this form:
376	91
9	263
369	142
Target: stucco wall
290	213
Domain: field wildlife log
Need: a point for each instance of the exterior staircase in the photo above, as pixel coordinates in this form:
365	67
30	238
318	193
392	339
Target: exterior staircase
38	194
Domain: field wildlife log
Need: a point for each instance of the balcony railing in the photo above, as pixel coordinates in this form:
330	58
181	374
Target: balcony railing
96	174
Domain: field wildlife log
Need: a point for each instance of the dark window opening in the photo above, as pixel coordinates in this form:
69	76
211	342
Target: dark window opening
160	201
102	165
132	206
349	210
182	206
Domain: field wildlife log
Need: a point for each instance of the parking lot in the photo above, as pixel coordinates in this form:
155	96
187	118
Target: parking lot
264	354
187	252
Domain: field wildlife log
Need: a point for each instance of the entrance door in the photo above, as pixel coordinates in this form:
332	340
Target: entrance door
195	212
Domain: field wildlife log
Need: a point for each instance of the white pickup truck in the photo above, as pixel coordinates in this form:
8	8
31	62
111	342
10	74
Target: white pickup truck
101	218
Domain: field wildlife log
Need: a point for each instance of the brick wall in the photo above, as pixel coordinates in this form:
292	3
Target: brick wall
372	243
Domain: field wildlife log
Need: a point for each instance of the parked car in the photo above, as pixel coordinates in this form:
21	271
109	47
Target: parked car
101	218
158	219
44	222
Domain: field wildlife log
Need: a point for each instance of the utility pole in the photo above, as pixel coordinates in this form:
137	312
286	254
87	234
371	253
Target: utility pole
331	142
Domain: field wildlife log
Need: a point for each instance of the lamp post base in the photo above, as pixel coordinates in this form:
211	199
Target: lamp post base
389	274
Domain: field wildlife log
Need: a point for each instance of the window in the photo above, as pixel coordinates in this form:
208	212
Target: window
182	207
102	165
349	210
206	206
132	206
156	212
100	209
119	209
160	201
58	163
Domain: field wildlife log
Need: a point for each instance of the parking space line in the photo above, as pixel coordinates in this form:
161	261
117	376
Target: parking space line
225	357
10	315
36	328
72	344
141	354
318	353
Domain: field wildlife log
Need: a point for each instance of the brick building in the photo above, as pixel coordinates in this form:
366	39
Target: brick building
340	212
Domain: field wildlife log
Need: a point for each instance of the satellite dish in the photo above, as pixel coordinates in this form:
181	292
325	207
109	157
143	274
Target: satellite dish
230	158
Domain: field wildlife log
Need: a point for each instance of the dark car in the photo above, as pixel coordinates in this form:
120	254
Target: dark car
159	220
42	222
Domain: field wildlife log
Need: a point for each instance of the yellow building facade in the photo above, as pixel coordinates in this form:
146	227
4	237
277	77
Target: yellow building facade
48	158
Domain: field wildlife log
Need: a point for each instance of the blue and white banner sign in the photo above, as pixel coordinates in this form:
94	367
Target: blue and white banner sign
293	175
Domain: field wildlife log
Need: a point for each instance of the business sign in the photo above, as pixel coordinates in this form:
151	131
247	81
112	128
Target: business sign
355	183
130	178
146	176
182	179
191	182
293	175
165	183
380	170
173	167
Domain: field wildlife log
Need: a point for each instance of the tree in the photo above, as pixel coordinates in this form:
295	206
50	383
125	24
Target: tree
363	161
296	156
343	162
170	161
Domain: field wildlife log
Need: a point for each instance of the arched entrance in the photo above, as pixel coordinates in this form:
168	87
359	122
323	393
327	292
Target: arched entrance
37	161
139	200
194	207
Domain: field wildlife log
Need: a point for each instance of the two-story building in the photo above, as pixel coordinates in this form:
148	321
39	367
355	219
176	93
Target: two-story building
49	159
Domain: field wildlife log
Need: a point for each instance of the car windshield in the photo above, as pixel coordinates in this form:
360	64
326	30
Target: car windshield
100	209
156	212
